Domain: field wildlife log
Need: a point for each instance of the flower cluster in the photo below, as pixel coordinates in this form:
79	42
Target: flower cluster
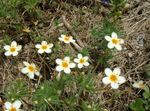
65	64
113	77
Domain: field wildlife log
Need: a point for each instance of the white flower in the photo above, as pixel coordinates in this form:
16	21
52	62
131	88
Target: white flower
15	106
82	61
66	39
139	85
30	70
44	47
12	49
114	41
64	65
113	78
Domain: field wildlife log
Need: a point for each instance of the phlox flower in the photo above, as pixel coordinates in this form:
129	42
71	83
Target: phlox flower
30	69
15	106
66	39
12	49
81	61
113	77
114	41
44	47
64	65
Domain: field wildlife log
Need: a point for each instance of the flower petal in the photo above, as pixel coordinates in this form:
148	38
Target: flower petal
121	80
59	68
67	42
140	82
40	51
118	47
61	39
121	41
37	73
48	51
110	45
80	66
16	104
117	70
86	64
106	80
76	60
15	53
114	35
114	85
136	85
33	65
86	58
30	75
63	36
72	65
38	46
6	47
24	70
108	38
14	44
72	40
26	63
79	56
7	53
44	43
51	45
19	47
8	105
108	71
58	61
67	70
67	59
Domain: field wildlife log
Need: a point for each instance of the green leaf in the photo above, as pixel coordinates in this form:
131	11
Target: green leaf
146	95
146	88
137	105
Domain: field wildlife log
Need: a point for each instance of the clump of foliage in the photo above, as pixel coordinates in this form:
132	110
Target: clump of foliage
17	89
98	34
68	93
117	8
142	104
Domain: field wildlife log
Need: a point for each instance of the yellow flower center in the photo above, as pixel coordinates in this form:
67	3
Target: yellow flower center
12	49
113	78
31	68
82	60
65	64
115	41
66	38
13	109
44	47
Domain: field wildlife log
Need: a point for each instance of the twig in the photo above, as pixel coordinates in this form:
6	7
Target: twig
137	66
